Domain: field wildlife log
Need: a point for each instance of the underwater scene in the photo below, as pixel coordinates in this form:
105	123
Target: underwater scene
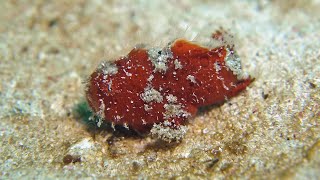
181	89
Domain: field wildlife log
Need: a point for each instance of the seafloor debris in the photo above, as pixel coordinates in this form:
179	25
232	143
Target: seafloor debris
158	89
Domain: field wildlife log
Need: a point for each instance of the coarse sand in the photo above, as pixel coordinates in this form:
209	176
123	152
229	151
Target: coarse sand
48	49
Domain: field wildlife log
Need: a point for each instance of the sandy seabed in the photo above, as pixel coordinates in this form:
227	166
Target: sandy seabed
48	48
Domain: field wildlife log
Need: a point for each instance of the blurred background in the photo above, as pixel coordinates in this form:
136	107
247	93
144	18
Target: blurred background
48	48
